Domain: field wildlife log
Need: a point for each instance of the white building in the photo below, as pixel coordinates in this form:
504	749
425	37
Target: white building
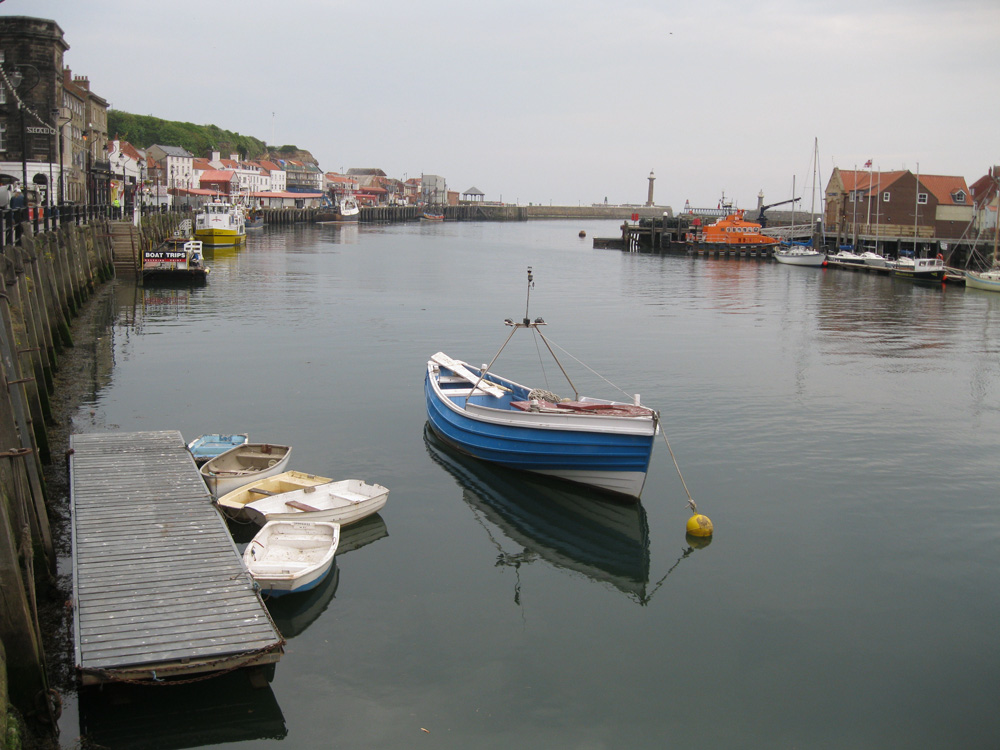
176	163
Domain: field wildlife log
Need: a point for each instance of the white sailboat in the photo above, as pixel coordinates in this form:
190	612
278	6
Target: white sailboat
795	254
988	280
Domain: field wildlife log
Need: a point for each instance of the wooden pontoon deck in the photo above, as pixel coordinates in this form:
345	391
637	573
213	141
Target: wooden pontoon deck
159	588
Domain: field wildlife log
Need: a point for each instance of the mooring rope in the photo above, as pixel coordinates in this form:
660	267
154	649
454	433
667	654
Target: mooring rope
691	503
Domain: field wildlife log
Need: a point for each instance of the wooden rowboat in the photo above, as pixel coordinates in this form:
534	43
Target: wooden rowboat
205	447
290	556
344	502
287	481
244	464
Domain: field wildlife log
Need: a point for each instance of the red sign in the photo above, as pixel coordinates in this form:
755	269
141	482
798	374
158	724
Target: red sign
635	217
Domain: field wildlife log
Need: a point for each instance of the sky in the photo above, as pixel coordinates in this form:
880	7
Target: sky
566	102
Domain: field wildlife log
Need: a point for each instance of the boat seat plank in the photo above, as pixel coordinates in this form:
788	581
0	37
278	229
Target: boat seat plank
442	359
299	505
260	491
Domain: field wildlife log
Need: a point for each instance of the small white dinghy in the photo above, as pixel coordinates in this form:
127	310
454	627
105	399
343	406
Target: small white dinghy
291	556
287	481
344	502
244	464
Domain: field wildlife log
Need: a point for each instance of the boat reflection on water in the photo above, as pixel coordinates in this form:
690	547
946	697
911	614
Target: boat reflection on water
221	709
293	614
568	526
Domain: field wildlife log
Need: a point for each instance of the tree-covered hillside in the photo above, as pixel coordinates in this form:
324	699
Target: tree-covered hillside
144	131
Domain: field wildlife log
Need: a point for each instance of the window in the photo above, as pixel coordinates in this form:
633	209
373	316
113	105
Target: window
922	199
3	94
3	136
885	197
959	197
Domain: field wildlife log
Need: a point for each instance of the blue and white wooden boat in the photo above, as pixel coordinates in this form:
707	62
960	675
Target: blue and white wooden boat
205	447
595	442
287	557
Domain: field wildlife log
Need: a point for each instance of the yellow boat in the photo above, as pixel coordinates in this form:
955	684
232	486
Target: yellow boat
220	224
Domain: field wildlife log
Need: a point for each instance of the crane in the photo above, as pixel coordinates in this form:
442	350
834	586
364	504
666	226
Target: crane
762	220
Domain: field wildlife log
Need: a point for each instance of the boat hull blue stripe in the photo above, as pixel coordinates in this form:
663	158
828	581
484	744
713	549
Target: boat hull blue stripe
530	449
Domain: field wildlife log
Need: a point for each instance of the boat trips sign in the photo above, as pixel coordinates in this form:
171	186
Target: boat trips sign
165	257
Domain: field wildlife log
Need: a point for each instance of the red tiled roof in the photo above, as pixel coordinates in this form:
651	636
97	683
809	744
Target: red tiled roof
218	175
944	187
858	180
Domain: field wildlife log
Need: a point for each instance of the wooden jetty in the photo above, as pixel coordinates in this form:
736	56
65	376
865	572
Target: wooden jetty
159	588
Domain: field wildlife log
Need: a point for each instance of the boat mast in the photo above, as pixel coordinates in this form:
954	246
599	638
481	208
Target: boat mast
525	323
996	220
916	212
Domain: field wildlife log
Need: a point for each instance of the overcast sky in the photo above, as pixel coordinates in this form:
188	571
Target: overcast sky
565	102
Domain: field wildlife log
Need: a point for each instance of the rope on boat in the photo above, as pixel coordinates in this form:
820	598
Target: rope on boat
691	503
589	368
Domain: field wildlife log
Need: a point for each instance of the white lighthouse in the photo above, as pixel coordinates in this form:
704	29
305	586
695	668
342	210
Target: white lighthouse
649	196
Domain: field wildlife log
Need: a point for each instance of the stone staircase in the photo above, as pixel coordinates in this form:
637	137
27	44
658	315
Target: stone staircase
125	246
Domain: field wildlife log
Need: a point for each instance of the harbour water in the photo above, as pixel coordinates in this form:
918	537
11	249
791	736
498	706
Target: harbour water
841	430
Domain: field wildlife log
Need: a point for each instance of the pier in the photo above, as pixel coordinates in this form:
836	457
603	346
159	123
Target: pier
159	588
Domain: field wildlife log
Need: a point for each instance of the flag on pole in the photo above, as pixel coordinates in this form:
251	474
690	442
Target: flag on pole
868	164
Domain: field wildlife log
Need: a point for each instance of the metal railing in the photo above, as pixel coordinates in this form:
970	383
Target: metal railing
48	218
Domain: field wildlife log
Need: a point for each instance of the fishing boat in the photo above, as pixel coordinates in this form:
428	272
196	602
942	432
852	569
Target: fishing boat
345	502
732	232
205	447
232	503
347	210
244	464
601	443
920	269
287	557
220	224
254	219
432	215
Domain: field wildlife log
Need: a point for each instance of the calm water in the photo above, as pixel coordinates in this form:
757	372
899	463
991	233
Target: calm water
840	429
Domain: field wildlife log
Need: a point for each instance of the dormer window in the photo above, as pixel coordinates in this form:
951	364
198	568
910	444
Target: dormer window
959	197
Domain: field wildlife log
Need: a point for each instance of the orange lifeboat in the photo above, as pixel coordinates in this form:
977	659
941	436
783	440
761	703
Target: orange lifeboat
732	232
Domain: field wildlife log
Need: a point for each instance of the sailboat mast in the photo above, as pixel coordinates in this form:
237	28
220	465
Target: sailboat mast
996	219
916	212
812	201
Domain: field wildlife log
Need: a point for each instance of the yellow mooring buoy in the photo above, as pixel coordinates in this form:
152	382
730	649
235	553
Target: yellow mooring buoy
699	525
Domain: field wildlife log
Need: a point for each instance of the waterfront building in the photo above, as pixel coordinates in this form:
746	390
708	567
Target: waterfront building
866	205
276	176
222	181
302	177
53	128
31	60
174	166
985	196
96	168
